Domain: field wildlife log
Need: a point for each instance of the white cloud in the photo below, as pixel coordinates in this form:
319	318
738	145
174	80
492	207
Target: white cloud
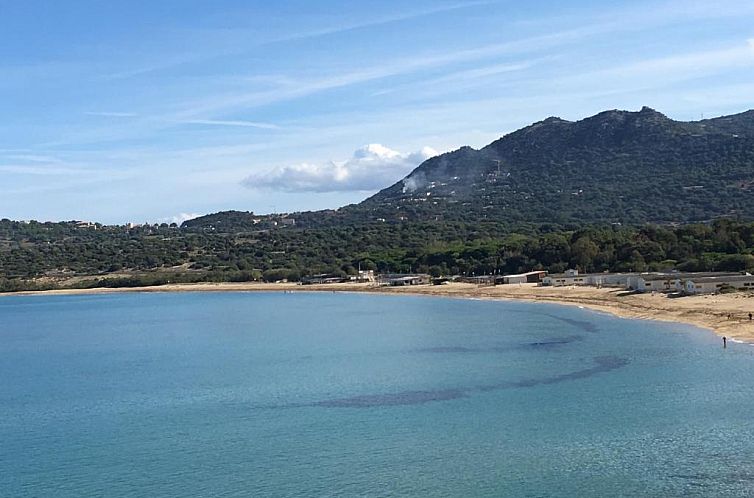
370	168
180	218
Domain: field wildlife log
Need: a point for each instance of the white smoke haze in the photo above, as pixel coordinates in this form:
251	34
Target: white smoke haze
371	167
414	183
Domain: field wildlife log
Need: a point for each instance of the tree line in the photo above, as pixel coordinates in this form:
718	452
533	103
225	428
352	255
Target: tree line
35	256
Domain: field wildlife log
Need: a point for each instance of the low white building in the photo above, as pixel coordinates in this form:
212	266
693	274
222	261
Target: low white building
655	282
619	280
690	283
712	285
524	278
573	277
672	281
570	277
403	279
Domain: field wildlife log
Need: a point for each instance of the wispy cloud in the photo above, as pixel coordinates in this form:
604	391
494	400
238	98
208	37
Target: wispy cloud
106	114
381	70
22	169
371	167
310	78
467	78
33	158
165	63
407	16
293	88
305	35
211	108
240	123
656	71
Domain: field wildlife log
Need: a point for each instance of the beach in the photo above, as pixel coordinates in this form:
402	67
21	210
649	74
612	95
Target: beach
725	314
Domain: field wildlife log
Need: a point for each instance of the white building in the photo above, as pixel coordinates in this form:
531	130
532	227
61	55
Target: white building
573	277
570	277
363	276
523	278
690	283
712	285
670	281
608	280
403	279
655	282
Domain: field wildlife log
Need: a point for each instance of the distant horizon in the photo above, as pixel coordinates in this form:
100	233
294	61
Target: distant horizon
145	112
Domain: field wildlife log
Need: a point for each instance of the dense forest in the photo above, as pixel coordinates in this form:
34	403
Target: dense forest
41	255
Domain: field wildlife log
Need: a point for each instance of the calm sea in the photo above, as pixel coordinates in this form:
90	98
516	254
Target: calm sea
362	395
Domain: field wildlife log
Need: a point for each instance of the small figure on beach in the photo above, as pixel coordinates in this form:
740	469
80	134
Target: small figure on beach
750	316
725	342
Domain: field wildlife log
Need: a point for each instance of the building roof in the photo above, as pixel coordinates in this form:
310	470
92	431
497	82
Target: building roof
577	275
723	279
685	276
535	272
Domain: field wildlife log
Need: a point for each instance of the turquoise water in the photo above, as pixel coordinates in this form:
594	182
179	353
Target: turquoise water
351	395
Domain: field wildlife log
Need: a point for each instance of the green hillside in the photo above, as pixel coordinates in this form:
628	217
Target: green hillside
615	167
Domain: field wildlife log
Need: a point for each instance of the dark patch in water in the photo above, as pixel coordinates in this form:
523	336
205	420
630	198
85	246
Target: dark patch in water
706	480
603	364
581	324
446	349
540	345
395	399
552	343
692	477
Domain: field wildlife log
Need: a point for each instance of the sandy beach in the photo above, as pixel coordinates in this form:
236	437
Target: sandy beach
727	314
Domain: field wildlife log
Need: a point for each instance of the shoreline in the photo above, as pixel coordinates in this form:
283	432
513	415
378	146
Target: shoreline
725	314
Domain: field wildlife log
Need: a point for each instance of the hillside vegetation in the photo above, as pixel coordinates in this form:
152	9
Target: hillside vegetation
51	254
618	191
615	167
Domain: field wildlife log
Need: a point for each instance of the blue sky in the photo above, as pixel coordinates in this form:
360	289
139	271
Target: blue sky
153	111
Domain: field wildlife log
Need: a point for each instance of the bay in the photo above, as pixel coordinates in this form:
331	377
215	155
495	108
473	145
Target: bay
317	394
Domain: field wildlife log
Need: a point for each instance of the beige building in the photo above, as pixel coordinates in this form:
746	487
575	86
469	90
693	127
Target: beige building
570	277
712	285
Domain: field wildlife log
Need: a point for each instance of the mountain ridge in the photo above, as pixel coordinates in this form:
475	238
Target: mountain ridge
615	167
588	170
